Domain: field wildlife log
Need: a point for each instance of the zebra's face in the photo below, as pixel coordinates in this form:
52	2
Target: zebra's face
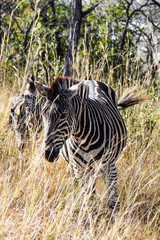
58	117
17	120
58	122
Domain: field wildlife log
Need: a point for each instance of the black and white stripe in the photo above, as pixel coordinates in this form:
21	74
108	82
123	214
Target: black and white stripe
83	124
25	115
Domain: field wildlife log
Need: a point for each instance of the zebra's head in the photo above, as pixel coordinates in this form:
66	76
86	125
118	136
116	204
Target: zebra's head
24	115
58	118
17	120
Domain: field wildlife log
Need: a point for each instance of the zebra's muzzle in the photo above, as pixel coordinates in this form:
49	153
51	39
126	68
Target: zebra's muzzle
51	155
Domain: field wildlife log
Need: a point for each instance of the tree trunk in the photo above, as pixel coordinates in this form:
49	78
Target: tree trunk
74	36
77	17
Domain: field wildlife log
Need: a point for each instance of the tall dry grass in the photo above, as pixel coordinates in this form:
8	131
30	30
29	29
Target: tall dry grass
36	197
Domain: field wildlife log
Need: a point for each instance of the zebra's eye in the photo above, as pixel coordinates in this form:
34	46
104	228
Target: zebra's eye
63	115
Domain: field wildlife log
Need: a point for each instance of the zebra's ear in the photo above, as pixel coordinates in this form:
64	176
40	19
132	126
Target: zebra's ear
43	89
30	80
30	85
73	90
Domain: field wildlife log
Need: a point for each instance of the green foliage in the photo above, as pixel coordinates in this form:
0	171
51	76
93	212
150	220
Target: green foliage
36	24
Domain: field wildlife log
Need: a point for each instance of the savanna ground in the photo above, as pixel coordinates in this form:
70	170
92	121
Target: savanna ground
36	197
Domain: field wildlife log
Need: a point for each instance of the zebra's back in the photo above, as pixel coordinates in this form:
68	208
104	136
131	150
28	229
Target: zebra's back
100	134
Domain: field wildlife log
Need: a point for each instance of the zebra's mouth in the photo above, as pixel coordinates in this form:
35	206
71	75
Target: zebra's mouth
51	155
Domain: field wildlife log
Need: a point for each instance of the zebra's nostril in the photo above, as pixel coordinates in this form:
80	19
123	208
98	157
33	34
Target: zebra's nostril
51	155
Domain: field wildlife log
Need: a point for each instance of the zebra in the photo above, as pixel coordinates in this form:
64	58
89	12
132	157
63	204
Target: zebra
25	115
82	123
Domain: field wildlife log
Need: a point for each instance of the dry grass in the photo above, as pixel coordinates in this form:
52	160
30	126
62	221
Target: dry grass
36	197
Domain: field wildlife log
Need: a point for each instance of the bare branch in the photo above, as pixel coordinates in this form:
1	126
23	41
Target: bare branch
129	16
157	3
139	9
150	20
84	13
18	24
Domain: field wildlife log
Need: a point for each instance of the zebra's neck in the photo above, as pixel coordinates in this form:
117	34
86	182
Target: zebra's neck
79	107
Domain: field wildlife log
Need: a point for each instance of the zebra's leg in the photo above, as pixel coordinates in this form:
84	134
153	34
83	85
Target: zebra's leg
89	184
75	179
85	181
110	178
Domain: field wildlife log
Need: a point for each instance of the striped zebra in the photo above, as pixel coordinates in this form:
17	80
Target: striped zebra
25	114
82	123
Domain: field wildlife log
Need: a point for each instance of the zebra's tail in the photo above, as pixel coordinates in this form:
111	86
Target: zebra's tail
129	98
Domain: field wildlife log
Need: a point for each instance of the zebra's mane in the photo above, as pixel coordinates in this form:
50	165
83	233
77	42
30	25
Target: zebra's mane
88	89
63	83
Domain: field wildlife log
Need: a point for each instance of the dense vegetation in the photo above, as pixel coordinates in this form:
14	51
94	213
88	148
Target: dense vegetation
119	44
